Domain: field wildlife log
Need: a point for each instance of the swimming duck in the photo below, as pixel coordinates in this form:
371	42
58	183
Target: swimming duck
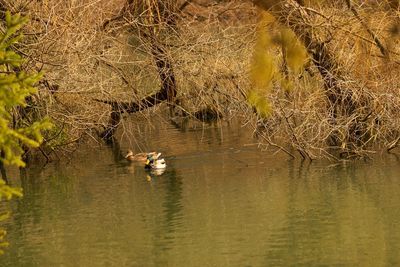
141	157
155	163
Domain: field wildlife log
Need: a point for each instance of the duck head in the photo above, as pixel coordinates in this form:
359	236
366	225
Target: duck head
149	161
129	154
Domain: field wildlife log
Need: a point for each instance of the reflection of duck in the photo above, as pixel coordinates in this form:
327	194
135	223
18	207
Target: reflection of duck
141	157
153	173
157	172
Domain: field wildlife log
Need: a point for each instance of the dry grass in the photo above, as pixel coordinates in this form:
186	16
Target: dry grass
210	48
83	60
304	120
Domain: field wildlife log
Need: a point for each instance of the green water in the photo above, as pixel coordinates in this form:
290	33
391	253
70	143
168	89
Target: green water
221	202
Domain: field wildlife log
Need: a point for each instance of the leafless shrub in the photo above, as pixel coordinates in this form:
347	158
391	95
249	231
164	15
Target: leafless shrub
99	50
365	110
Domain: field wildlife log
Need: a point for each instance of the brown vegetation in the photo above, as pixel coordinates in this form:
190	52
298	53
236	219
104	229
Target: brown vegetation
106	59
357	71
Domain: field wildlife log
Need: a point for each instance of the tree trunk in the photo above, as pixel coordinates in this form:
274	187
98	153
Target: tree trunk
159	12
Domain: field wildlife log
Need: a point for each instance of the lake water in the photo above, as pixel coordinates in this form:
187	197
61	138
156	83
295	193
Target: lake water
220	202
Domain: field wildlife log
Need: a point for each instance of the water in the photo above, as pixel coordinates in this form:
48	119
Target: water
221	202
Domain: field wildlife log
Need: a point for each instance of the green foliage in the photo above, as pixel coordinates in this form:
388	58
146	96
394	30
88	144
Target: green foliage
6	192
263	70
3	243
259	102
295	53
265	64
15	87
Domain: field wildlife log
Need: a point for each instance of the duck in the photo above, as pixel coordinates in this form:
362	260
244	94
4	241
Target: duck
155	163
141	157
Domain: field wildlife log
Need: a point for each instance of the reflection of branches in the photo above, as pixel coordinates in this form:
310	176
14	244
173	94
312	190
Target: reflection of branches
269	141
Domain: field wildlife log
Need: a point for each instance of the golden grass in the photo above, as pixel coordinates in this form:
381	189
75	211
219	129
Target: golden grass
211	48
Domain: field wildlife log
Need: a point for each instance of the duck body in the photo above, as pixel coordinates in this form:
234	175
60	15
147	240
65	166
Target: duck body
141	157
155	164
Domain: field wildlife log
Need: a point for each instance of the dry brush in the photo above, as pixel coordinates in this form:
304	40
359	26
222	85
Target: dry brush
105	60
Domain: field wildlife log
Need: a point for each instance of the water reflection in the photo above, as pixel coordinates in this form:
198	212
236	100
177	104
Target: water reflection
335	217
226	204
164	235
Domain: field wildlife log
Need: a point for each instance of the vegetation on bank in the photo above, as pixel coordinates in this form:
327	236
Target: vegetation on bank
18	130
313	78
